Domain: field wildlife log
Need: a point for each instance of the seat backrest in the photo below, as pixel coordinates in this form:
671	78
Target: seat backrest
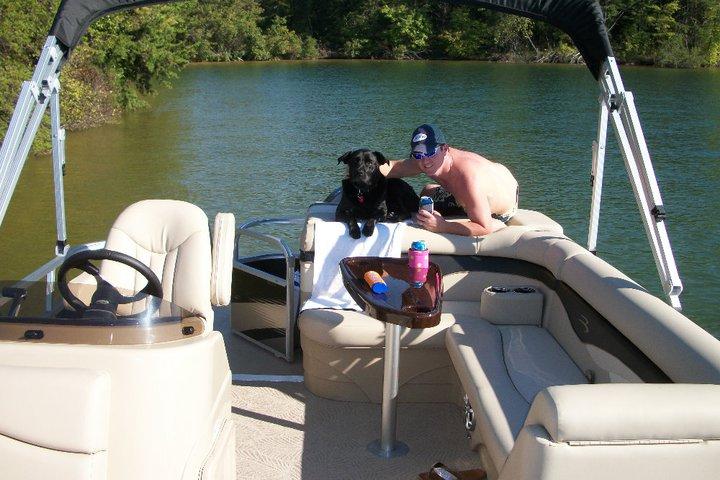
634	431
171	237
447	244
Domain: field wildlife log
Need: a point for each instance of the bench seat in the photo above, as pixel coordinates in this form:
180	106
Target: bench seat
343	350
502	368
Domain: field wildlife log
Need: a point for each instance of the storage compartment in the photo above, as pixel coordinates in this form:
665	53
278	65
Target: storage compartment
511	305
263	307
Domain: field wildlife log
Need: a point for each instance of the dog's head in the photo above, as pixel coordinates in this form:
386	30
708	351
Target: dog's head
363	166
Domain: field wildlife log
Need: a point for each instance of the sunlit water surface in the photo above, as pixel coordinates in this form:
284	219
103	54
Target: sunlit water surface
262	139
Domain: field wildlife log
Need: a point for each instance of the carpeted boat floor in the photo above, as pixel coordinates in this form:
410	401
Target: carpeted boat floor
285	432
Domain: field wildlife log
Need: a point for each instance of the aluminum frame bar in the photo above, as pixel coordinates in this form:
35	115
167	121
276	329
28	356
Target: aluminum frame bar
598	171
630	138
388	446
58	144
26	119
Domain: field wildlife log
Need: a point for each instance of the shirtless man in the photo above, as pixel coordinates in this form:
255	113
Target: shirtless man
486	190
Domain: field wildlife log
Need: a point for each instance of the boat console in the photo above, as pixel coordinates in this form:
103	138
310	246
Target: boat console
30	313
117	372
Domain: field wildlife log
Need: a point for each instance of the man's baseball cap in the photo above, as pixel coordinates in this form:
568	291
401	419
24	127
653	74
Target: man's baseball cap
426	138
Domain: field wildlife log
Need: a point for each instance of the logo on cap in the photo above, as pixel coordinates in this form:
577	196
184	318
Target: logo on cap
419	137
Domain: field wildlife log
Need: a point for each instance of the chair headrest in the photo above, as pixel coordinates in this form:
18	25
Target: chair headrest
172	222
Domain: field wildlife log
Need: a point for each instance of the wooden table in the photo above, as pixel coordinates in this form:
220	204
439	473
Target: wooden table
406	304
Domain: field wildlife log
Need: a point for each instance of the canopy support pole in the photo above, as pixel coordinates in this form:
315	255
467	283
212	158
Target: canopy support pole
58	147
630	138
596	178
26	119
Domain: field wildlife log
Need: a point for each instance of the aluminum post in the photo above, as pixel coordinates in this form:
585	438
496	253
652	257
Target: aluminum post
598	170
388	446
26	120
58	144
11	175
633	147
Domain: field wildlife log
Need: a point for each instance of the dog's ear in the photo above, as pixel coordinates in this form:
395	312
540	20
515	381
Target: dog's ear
381	158
345	157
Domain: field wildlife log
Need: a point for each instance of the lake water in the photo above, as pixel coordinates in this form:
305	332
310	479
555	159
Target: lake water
262	139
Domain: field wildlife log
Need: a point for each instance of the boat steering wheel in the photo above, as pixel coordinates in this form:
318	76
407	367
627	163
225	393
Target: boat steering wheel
106	297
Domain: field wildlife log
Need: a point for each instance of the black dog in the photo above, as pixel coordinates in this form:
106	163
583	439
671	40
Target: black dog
368	195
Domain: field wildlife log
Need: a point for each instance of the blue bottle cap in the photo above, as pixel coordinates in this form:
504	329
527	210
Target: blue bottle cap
418	245
379	287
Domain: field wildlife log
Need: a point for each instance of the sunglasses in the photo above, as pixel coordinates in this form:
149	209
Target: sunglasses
420	156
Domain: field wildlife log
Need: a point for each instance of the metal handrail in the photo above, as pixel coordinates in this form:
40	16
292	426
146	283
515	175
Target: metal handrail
59	259
245	229
47	270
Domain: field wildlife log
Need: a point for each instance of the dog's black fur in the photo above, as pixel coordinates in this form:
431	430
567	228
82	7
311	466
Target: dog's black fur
368	195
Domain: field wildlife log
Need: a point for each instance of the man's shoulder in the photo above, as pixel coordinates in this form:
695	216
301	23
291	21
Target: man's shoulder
470	158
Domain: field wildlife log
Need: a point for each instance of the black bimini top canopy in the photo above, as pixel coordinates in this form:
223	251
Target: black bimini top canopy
581	19
74	17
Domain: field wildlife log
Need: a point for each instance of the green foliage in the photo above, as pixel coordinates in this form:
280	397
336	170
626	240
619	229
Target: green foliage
225	30
386	29
404	31
88	98
465	35
20	43
282	42
679	33
139	48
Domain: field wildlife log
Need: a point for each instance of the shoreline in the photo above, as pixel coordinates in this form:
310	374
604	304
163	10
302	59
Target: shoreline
449	60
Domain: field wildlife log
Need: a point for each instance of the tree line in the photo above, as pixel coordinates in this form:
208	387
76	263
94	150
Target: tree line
125	56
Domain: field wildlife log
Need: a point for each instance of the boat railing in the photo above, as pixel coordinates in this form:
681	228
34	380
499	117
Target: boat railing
246	229
48	270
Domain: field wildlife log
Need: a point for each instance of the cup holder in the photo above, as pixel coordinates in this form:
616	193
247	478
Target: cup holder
524	290
495	289
512	305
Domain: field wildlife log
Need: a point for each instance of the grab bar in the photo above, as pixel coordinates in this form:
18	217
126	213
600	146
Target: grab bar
245	229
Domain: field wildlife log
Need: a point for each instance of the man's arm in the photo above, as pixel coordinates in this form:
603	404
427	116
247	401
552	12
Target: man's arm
479	215
478	211
401	168
435	223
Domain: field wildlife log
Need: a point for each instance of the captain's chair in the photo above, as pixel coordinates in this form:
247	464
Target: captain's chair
173	239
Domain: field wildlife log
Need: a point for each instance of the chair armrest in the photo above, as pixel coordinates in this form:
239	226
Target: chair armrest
222	259
627	412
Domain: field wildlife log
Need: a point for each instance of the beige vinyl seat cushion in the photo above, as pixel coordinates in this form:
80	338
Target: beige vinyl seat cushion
502	368
624	431
172	237
342	350
352	329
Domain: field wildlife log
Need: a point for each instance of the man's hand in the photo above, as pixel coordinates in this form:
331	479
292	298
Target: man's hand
433	222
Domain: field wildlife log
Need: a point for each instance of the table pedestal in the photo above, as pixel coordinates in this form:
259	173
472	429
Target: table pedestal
388	446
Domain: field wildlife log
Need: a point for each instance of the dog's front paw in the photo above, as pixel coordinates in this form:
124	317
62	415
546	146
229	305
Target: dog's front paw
355	231
368	229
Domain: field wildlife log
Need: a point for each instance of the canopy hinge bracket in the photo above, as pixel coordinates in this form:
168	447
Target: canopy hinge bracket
658	211
61	247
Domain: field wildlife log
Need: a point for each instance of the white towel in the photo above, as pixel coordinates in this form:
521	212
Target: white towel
333	243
